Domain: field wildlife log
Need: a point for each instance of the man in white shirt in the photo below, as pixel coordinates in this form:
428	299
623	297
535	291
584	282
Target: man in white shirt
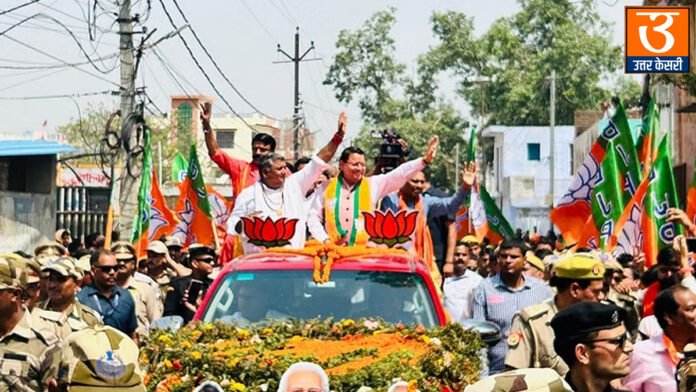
277	195
458	288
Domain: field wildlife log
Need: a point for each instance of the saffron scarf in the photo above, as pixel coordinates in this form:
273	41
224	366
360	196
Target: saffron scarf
362	201
423	243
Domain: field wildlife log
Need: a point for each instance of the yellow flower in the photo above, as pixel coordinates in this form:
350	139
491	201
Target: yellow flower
296	339
425	339
196	334
233	362
412	386
207	327
196	355
237	386
348	323
267	331
243	333
167	364
186	345
165	339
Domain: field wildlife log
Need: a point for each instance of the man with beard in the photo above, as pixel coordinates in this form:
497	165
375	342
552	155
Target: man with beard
459	287
655	360
591	338
114	304
501	296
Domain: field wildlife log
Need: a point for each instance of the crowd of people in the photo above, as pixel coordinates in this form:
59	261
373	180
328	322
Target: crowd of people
595	321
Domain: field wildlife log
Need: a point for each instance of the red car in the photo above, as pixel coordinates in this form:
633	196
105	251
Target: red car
258	287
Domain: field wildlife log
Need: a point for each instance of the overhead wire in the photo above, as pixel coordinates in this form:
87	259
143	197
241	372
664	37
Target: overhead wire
42	97
18	7
200	68
51	66
23	82
217	67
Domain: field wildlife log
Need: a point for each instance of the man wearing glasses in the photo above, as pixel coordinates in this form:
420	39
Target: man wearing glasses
187	292
592	340
115	305
147	307
501	296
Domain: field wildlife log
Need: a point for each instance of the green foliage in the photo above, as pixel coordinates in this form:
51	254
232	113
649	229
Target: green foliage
517	55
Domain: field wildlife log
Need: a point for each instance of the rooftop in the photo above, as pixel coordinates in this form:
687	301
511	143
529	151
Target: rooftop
13	148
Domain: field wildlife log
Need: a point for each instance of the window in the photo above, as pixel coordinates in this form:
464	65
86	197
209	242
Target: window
533	152
225	138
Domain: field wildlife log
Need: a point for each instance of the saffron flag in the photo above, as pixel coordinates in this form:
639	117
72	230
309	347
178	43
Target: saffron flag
646	145
628	233
486	218
193	207
575	207
461	222
606	201
691	198
661	195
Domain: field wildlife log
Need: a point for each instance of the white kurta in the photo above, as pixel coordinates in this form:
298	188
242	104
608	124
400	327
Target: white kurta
285	202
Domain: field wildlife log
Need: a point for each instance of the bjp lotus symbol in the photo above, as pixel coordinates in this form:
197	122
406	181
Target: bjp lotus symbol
389	228
269	233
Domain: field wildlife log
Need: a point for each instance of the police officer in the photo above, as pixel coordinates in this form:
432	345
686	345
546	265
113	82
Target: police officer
618	295
49	249
147	307
591	338
99	359
577	278
520	380
30	355
61	311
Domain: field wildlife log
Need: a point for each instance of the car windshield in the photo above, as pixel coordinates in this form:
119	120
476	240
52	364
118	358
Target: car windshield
258	296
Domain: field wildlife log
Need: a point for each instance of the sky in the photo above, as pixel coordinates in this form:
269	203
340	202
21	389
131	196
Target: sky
241	35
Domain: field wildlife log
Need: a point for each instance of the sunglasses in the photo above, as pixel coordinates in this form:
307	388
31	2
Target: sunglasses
210	261
619	341
107	268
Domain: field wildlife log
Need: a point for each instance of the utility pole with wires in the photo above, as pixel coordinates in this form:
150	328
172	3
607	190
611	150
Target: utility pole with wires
552	147
296	59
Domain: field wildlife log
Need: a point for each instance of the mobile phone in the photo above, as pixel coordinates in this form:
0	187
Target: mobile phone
194	290
691	245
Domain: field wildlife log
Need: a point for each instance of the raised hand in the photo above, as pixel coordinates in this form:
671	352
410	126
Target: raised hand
206	113
431	150
469	174
342	120
679	216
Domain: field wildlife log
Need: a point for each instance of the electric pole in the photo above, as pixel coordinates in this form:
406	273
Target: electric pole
552	148
125	31
296	59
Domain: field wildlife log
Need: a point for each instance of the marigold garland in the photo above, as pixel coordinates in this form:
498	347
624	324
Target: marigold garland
333	254
354	353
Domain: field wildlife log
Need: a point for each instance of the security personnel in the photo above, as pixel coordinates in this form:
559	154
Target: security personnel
592	340
147	307
577	278
61	311
49	249
30	355
520	380
629	303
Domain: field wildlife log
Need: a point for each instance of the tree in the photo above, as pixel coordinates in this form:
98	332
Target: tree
517	55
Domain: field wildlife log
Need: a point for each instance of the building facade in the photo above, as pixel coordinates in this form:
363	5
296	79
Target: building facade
519	179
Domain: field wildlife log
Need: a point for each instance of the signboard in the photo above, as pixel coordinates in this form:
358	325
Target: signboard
657	39
83	176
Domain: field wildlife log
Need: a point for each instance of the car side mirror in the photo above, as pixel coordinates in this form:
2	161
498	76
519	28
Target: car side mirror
490	332
172	323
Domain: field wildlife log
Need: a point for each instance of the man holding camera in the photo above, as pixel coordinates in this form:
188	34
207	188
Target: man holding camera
187	292
336	213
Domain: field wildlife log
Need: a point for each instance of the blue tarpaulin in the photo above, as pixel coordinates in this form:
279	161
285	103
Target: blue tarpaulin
13	148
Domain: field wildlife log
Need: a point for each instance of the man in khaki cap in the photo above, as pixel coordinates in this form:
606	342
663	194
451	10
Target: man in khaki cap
147	307
577	278
61	311
30	356
161	268
50	249
534	266
99	359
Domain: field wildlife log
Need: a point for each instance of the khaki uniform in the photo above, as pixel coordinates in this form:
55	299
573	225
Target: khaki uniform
521	380
30	357
530	343
147	306
630	304
61	324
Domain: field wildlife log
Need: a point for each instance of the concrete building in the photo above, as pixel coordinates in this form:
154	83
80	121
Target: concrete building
520	176
28	192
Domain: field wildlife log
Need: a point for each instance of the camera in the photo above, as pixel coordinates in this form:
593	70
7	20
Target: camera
391	152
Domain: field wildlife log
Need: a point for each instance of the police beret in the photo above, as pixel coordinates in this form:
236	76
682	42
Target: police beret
470	239
583	318
534	261
198	251
579	266
123	250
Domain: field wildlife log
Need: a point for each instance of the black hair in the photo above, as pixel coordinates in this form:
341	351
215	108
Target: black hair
566	348
90	239
583	250
541	253
291	167
264	139
514	243
665	304
94	259
349	151
303	161
625	259
668	257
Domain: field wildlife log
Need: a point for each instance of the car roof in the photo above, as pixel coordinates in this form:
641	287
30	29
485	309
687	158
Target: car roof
284	261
